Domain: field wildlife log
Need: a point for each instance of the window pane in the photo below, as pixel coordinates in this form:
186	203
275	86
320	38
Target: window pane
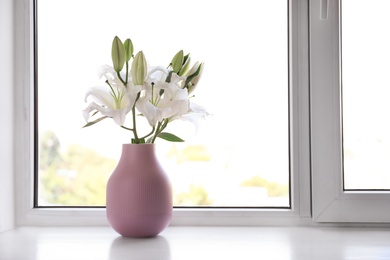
238	156
366	94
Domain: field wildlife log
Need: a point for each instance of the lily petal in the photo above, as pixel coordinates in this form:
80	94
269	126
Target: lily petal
100	95
194	113
157	73
118	115
153	114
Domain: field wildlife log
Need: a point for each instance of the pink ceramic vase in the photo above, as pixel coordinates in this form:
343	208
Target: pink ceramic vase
139	194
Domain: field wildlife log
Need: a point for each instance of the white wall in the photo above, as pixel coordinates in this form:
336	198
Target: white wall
7	215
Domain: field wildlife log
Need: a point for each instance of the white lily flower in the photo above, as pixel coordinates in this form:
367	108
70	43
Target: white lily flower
163	100
113	101
110	74
195	113
106	104
106	71
157	73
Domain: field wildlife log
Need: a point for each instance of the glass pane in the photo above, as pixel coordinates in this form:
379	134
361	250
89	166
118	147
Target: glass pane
366	94
238	156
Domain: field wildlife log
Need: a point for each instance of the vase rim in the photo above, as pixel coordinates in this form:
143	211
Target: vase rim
138	144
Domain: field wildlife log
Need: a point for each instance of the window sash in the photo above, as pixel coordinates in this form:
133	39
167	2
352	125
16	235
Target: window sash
299	140
330	202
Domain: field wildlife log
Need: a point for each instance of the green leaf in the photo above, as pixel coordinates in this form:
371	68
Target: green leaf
129	49
170	137
95	121
177	61
118	54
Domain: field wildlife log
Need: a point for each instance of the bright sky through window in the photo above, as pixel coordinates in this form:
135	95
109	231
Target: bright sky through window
366	93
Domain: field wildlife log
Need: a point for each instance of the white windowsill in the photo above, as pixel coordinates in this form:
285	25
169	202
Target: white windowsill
181	217
188	243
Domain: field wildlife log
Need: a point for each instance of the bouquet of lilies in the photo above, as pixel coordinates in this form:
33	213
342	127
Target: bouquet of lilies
159	94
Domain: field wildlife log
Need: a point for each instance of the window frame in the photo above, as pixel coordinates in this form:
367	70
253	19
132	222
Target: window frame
7	219
330	202
300	211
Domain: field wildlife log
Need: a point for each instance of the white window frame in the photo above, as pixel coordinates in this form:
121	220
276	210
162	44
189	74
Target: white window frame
300	211
330	202
7	219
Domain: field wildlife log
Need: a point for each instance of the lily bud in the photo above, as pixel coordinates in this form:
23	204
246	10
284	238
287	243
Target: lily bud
118	54
193	77
139	69
129	49
177	61
186	65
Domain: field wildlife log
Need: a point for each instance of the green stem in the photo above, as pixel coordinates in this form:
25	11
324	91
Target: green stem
120	78
168	79
134	120
127	73
149	133
124	127
157	132
160	127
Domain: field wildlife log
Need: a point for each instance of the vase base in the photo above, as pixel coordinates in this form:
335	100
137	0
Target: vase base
141	227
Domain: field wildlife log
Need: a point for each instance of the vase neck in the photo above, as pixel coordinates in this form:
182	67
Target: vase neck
137	151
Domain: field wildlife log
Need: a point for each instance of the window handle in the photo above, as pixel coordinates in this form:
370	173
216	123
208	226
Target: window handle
324	10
